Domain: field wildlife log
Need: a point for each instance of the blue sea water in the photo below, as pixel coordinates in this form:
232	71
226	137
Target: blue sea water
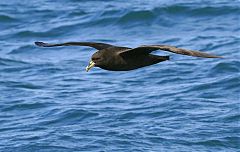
48	103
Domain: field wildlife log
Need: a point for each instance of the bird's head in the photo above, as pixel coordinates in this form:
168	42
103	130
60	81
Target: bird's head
97	60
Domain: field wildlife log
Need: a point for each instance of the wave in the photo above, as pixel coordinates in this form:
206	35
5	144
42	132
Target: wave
159	14
197	11
165	15
221	142
31	34
69	116
225	67
136	16
6	62
25	106
21	85
7	18
141	15
22	49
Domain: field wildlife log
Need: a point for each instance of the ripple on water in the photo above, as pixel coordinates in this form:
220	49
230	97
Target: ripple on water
69	117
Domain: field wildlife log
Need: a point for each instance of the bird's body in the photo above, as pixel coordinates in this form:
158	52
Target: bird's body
116	58
126	63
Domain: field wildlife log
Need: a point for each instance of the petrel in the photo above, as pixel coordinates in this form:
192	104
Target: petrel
119	58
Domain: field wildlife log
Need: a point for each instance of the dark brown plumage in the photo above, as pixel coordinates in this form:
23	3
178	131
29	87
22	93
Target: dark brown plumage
117	58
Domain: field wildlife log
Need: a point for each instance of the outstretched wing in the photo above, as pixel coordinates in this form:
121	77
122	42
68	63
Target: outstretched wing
98	46
146	49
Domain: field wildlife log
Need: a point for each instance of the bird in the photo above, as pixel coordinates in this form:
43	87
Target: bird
119	58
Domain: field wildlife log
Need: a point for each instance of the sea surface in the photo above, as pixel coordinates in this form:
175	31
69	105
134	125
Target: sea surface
48	103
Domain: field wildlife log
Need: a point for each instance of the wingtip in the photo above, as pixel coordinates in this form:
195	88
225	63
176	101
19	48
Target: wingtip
221	57
39	43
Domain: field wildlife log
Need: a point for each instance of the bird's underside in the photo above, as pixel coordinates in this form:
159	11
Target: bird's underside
131	63
117	58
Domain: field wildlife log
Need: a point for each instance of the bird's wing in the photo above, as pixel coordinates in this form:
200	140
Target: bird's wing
146	49
98	46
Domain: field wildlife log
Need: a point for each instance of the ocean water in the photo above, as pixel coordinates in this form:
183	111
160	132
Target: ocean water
48	103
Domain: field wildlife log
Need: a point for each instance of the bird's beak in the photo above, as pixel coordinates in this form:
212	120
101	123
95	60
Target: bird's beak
91	64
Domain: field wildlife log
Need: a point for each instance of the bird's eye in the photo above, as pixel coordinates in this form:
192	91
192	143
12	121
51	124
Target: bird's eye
95	58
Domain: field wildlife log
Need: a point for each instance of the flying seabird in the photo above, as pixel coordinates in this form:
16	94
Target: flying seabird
118	58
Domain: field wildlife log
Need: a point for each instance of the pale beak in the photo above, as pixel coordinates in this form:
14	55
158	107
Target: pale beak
91	64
